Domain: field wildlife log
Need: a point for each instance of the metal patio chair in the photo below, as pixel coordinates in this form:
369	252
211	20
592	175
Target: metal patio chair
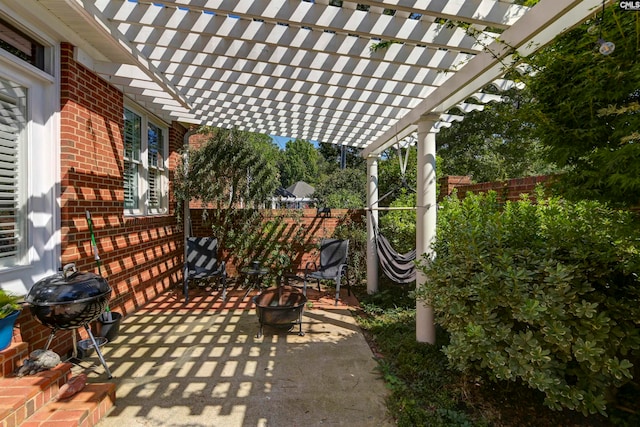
202	263
333	265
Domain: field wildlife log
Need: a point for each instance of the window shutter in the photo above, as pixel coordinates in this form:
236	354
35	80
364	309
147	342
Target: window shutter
154	187
132	135
132	143
12	121
130	185
155	148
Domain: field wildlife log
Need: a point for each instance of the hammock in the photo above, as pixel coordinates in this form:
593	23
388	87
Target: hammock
398	267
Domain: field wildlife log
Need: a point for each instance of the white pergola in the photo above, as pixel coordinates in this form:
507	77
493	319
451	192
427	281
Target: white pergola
359	74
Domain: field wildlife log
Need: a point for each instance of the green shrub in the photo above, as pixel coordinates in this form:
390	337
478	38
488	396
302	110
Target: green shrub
399	226
356	232
544	294
255	235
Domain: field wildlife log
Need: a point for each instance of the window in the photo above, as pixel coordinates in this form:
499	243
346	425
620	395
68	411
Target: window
21	45
30	236
145	169
13	125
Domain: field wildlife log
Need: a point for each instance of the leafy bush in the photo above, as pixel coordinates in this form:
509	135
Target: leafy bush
399	226
356	232
544	294
256	235
421	390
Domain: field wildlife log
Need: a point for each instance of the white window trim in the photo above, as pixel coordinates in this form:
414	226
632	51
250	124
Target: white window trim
143	185
43	240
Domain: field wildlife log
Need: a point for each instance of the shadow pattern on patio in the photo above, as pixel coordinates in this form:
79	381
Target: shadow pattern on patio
200	364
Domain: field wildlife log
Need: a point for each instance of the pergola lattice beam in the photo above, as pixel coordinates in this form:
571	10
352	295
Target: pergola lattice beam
304	68
91	14
486	13
536	29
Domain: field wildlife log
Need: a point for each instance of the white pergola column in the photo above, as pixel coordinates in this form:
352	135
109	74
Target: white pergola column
425	218
372	221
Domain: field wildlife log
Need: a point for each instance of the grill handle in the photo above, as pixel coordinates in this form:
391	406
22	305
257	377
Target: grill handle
69	270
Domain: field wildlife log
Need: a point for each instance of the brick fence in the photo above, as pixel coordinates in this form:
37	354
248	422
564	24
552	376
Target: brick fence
306	222
509	190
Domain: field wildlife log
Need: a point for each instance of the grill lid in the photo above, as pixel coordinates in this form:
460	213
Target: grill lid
66	287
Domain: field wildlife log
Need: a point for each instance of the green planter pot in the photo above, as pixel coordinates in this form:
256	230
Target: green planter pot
6	329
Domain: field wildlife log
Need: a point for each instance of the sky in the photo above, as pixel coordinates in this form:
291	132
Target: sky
281	140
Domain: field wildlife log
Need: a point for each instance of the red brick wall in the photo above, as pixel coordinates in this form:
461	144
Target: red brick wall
506	190
141	257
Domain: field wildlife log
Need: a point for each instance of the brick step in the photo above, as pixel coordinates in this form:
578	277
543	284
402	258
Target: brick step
83	409
12	357
21	397
28	401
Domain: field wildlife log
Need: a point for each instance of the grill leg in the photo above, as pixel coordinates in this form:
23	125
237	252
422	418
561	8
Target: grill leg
95	345
300	323
53	332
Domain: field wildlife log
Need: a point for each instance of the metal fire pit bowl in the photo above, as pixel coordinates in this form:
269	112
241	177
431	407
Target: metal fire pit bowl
280	307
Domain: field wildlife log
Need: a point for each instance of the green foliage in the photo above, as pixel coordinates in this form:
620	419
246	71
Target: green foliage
343	189
493	144
299	162
585	108
256	235
399	226
356	232
229	168
8	303
416	374
390	176
332	153
374	47
396	190
544	294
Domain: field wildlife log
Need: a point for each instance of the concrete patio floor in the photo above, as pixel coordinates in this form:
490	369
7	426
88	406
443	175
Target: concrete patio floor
200	364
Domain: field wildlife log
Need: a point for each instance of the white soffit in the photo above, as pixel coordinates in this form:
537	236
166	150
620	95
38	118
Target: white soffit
306	69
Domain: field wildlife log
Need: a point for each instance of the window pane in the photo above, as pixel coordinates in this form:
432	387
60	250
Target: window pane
132	135
12	132
154	189
21	45
145	176
155	146
132	145
130	185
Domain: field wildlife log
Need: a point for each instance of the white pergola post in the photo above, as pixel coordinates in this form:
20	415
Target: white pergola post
372	221
425	218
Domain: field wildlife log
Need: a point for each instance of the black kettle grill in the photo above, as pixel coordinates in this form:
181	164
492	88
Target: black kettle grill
70	300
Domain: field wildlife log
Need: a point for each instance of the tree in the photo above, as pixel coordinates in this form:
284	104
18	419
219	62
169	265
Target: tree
585	107
493	144
231	167
332	153
299	162
343	189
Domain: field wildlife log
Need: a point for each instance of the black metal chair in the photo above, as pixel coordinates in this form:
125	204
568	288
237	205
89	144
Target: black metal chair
202	263
333	265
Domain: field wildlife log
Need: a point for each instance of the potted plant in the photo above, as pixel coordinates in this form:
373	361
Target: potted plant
9	310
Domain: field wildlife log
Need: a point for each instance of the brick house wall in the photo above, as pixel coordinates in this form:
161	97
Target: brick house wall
140	256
